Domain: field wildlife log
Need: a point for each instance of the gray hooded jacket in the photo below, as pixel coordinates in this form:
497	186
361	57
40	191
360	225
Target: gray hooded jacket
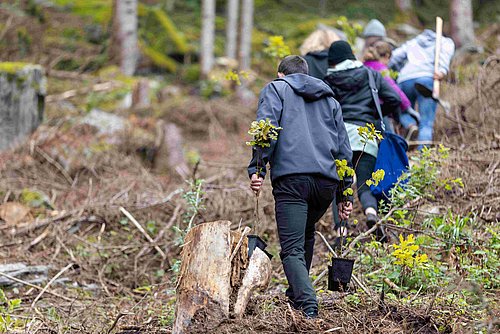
313	133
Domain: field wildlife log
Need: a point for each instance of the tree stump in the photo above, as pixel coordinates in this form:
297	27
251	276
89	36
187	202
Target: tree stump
22	97
205	276
257	275
170	155
215	274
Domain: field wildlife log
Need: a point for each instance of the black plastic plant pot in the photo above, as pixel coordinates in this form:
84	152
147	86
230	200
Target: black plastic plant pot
339	274
255	241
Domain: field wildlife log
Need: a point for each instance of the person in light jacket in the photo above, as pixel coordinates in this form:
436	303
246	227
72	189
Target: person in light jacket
415	62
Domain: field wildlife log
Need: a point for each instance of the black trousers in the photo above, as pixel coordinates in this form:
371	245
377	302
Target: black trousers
300	201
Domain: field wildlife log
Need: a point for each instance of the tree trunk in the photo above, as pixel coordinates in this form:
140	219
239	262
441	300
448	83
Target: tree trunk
125	47
462	27
22	97
403	5
322	8
207	37
232	29
204	284
246	34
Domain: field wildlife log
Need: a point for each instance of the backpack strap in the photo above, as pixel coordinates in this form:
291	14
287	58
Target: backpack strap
374	90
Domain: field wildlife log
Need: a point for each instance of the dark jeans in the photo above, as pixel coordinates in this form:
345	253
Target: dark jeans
300	200
364	169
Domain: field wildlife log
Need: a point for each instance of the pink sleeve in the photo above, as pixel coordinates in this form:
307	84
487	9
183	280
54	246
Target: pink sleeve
405	103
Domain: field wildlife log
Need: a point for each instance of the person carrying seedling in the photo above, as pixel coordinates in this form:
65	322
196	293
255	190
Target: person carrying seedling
349	81
303	172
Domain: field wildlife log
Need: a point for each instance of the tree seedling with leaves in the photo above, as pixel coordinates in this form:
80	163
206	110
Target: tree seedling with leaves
262	132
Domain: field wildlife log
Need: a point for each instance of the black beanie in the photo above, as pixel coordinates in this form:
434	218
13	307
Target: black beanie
339	51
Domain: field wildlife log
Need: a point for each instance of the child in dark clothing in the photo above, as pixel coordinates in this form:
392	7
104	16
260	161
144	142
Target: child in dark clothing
303	172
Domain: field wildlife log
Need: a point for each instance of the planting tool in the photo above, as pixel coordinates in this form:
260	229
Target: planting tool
439	35
254	241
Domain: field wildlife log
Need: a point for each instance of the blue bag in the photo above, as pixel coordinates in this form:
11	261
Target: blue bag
393	160
391	155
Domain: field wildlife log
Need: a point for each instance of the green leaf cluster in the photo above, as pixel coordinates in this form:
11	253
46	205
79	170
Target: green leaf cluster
277	47
263	132
7	321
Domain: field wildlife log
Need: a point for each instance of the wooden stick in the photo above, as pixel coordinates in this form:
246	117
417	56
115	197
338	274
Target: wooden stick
439	34
50	282
15	279
118	317
141	229
246	230
43	222
55	164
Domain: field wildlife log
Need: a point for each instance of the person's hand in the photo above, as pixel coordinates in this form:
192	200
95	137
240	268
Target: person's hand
438	76
345	210
256	183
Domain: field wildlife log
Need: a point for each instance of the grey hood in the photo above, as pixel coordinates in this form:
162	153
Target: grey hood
310	88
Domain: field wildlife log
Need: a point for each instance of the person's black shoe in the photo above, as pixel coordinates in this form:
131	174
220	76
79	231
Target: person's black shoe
380	234
371	220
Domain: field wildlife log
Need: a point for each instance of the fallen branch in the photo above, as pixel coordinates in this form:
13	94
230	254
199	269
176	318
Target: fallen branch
42	223
100	87
55	164
141	229
118	317
50	282
163	201
15	279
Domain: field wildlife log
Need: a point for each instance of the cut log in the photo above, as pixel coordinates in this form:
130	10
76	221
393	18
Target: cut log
204	285
256	276
22	97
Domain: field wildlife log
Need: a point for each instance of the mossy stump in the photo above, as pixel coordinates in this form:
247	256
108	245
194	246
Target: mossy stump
22	97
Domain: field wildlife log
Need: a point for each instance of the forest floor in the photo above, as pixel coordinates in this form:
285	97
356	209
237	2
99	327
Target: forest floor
116	282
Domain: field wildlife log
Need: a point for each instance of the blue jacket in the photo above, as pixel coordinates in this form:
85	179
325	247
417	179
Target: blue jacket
313	133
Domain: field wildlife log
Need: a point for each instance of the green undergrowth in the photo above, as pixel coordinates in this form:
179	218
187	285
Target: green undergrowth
452	256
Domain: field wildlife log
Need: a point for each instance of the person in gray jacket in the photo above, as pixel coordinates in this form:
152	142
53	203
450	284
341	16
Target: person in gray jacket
303	171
